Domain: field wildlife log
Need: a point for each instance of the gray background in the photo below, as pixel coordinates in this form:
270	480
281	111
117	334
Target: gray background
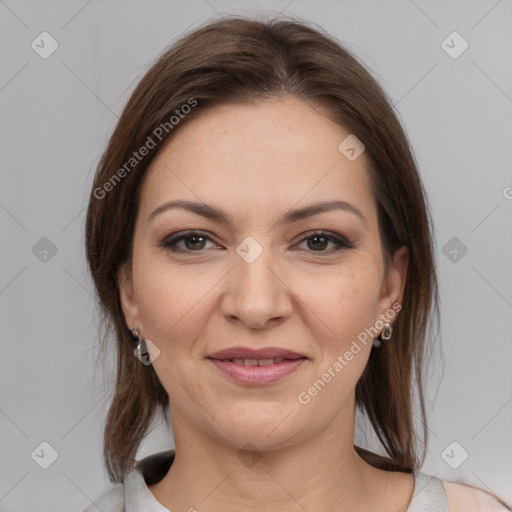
56	117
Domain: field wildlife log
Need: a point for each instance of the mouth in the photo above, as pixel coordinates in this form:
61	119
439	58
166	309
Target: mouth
256	367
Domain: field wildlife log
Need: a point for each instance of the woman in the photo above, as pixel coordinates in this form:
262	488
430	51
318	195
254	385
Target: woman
260	242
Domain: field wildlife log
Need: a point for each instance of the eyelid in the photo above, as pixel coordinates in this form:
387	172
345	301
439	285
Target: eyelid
174	238
329	235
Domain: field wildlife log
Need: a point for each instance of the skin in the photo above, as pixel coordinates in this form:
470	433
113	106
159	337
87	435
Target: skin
256	162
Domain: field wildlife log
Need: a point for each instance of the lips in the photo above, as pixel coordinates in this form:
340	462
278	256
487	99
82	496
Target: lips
256	367
261	354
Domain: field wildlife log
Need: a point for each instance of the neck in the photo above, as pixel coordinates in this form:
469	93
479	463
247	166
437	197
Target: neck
320	473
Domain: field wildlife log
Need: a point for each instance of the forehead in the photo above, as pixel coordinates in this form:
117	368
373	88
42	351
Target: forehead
272	154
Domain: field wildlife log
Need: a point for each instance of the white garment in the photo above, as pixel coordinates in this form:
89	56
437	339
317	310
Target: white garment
134	496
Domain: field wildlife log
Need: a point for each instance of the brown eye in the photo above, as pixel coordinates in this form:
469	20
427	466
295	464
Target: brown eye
192	242
318	242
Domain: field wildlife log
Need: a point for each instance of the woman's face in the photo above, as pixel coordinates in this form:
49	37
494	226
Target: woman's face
263	279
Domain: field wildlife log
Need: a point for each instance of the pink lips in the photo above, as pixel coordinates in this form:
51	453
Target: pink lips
287	362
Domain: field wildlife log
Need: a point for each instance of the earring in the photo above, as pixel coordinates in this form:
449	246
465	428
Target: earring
385	335
141	352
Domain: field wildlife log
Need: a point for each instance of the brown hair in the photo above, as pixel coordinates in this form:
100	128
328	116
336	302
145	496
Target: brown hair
240	60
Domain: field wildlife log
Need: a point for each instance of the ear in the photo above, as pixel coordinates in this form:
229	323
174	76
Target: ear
127	296
393	285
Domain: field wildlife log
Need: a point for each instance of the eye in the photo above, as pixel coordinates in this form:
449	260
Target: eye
194	241
319	240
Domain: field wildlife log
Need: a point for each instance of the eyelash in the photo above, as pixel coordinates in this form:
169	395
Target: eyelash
169	243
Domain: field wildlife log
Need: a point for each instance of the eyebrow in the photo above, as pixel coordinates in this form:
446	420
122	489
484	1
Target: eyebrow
289	217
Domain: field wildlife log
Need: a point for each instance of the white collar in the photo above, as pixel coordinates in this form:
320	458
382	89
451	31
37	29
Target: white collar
137	495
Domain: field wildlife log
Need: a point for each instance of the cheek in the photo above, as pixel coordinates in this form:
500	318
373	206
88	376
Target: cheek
343	302
342	308
174	308
174	303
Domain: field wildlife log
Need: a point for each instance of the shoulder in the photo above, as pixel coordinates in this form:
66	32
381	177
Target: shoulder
462	498
110	501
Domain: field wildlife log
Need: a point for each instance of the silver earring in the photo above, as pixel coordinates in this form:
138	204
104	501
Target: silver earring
385	335
141	352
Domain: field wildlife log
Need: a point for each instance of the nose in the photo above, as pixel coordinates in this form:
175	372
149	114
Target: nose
256	294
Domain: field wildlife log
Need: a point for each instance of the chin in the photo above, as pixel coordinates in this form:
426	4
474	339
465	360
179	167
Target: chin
262	432
258	441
